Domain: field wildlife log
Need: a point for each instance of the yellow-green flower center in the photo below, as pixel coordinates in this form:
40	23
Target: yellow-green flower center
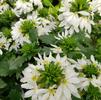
26	26
79	5
51	75
91	70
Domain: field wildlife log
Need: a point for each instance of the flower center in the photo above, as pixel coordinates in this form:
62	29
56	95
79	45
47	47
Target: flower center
68	44
90	70
51	75
79	5
26	26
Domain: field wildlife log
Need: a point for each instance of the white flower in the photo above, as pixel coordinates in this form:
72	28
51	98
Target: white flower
62	35
14	46
17	35
37	79
89	72
45	26
96	6
23	7
34	17
86	24
43	60
68	86
4	42
56	49
74	21
37	3
3	7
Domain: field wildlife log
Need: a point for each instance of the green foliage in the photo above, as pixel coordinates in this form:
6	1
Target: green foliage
68	44
43	12
70	47
53	74
33	35
51	7
10	71
6	31
46	3
12	91
93	93
48	39
13	62
2	84
30	50
14	95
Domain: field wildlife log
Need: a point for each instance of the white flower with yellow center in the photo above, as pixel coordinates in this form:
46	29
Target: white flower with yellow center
52	80
75	19
20	31
44	25
89	72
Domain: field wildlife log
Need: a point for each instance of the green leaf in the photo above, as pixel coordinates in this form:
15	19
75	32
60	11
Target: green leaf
43	12
46	3
15	63
29	49
33	35
2	84
48	39
14	95
4	68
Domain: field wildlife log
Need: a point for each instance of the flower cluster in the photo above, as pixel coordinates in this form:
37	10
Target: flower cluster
50	49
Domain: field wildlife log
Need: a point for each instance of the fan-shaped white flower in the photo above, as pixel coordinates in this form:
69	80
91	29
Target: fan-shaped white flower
17	35
89	72
4	42
56	49
51	80
62	35
3	7
96	6
74	21
22	7
45	26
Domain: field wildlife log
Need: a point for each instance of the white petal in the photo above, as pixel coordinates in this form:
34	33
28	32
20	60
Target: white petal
1	52
83	13
45	97
67	94
27	86
58	92
73	90
29	93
